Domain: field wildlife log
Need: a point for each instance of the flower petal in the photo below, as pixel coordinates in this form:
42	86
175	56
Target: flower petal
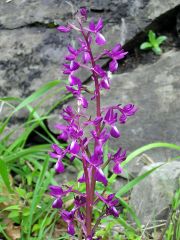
112	211
70	57
81	179
74	147
117	168
100	177
83	12
63	136
97	69
57	203
100	39
122	119
59	167
64	29
114	132
57	149
113	66
129	109
74	65
92	26
116	48
105	83
72	50
83	101
73	80
71	229
99	25
86	57
55	191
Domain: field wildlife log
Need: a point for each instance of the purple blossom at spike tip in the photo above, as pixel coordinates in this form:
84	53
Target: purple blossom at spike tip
86	136
96	28
83	12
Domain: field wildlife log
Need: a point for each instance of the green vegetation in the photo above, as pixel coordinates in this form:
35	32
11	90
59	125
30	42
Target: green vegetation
153	43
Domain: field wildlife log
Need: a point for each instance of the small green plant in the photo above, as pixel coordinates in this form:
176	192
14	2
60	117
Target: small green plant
173	229
154	43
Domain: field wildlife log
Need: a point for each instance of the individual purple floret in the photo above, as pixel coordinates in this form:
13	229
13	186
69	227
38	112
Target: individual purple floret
58	193
86	135
111	203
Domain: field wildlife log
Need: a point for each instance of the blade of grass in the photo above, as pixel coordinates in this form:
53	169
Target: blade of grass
147	147
36	196
25	152
36	95
134	182
130	210
5	175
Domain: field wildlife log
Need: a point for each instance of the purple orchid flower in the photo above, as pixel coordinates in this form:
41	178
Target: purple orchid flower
102	126
110	203
127	111
83	12
58	193
118	158
116	53
111	118
95	28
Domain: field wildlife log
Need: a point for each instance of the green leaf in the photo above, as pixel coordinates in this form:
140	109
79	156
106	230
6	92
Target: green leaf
134	182
161	39
14	214
157	50
130	210
36	227
5	176
33	97
13	207
145	45
21	192
147	147
36	95
26	211
126	225
27	151
152	37
39	190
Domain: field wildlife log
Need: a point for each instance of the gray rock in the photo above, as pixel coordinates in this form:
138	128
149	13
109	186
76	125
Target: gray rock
31	55
151	198
32	52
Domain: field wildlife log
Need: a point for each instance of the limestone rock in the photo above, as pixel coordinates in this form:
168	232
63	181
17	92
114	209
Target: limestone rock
151	198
